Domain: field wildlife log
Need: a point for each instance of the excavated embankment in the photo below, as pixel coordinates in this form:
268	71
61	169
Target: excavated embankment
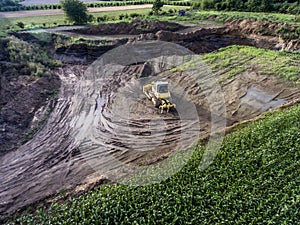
199	40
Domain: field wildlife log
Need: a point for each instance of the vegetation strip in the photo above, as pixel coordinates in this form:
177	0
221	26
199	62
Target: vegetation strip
53	12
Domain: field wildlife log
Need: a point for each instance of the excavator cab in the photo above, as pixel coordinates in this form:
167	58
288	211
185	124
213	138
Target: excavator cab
161	89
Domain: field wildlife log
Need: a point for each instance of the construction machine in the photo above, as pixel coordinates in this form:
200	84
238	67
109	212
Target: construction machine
158	92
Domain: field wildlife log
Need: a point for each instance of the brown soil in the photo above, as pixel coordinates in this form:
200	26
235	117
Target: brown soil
93	125
199	39
25	102
133	28
44	166
269	31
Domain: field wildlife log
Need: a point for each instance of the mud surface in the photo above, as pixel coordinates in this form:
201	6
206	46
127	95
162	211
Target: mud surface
102	121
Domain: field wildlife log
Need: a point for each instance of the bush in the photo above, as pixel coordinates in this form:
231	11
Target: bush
134	15
31	56
20	24
102	18
121	16
157	5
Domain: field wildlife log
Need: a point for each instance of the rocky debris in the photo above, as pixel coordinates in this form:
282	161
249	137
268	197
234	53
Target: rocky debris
293	45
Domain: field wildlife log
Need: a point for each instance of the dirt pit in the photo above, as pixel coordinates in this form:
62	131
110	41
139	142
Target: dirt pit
103	124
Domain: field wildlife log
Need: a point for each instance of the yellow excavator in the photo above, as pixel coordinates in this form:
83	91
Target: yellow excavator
158	92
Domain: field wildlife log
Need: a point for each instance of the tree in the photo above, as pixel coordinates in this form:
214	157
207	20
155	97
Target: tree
157	5
297	11
76	11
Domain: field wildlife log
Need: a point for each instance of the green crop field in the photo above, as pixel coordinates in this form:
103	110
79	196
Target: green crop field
196	16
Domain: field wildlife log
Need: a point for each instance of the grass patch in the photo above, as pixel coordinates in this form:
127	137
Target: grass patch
220	17
253	180
257	16
233	60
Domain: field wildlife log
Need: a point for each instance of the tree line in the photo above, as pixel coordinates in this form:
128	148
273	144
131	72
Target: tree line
282	6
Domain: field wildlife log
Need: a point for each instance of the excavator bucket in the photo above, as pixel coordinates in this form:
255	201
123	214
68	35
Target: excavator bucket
166	104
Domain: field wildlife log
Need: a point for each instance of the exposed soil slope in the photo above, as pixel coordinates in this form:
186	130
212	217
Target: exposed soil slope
135	27
25	100
198	39
288	36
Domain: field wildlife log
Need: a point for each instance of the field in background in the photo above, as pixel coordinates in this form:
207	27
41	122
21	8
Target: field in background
195	17
39	2
47	21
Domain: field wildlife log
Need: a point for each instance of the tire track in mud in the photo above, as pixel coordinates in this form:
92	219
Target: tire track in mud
91	132
46	164
124	130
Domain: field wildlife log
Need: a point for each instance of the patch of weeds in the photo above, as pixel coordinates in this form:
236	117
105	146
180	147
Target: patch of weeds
233	60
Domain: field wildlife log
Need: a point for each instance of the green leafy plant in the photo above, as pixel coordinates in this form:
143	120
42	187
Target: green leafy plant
76	11
20	24
157	5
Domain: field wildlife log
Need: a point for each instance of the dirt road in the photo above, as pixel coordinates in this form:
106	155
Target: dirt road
19	14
